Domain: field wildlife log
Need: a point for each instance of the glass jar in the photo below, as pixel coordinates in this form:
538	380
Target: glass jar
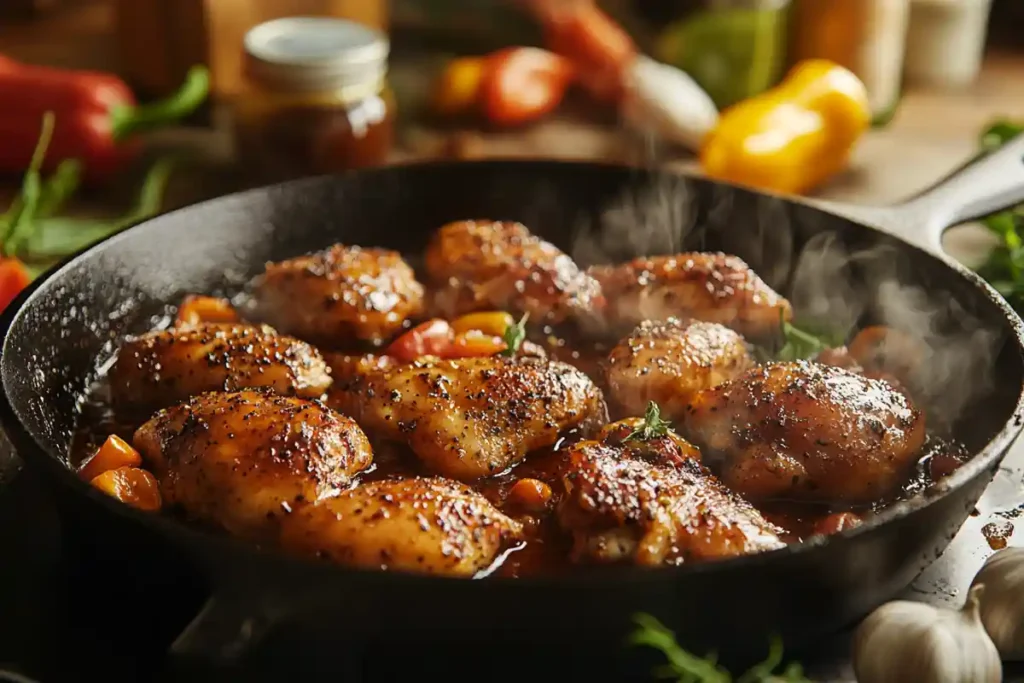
315	100
868	37
733	48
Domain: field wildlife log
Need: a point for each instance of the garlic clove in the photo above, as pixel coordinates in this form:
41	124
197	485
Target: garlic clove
664	100
1002	603
905	641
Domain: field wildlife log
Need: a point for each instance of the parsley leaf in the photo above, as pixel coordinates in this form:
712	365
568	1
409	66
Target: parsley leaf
651	427
800	343
686	667
514	336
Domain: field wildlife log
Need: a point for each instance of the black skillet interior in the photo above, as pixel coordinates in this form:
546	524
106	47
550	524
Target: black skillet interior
831	268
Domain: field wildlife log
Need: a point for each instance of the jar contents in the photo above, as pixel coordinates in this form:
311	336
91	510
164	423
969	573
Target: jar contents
868	37
733	49
316	100
946	41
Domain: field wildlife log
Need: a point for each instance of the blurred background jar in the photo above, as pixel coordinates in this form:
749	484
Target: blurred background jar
946	41
868	37
733	48
315	99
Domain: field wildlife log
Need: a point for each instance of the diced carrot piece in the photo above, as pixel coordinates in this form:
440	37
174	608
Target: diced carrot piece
132	486
532	495
115	452
836	522
196	309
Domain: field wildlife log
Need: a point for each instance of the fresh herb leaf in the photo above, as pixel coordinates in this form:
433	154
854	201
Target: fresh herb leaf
651	427
998	133
20	216
800	343
57	237
1004	267
685	667
514	336
59	187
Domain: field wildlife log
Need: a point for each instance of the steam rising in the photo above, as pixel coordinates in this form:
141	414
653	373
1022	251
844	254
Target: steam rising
827	280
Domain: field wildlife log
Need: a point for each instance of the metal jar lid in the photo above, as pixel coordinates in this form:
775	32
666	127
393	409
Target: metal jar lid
315	53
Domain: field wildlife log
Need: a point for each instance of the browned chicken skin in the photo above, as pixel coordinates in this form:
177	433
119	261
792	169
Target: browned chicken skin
473	417
164	367
712	287
620	507
339	296
808	430
427	525
484	265
241	460
668	362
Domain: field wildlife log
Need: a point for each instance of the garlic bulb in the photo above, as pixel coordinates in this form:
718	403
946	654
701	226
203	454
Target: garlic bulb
665	100
910	641
1002	605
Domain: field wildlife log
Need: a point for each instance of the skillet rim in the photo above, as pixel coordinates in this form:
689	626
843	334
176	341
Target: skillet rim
24	442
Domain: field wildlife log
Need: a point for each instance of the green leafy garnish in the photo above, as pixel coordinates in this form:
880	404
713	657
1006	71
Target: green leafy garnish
1004	267
652	426
686	667
514	336
800	343
19	217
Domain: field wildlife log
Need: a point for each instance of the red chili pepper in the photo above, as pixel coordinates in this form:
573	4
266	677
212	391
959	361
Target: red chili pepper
96	116
432	338
13	279
522	84
597	46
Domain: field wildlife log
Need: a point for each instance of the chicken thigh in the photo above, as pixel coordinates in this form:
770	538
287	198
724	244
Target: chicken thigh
622	507
427	525
712	287
809	431
486	265
241	460
339	297
164	367
473	417
668	362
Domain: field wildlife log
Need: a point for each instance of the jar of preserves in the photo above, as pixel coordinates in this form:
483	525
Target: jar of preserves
315	100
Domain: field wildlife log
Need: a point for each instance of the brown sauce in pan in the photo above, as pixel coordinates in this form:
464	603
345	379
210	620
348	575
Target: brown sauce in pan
546	549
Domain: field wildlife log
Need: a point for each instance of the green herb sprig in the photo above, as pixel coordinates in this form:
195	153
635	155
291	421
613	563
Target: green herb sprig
514	336
801	343
686	667
1004	267
652	426
31	229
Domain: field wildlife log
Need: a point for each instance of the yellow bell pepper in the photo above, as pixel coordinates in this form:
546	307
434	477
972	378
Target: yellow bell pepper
793	137
458	87
494	323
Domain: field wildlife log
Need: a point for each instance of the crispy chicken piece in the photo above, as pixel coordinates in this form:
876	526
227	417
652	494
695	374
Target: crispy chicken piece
668	362
338	296
473	417
486	265
623	508
807	430
164	367
427	525
241	460
712	287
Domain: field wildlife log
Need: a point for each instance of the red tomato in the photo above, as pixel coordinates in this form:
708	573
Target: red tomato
13	279
432	338
522	84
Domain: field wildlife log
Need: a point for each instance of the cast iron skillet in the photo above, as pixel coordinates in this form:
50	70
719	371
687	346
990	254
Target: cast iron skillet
54	333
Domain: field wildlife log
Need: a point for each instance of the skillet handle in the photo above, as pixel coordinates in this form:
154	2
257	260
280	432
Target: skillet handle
225	630
983	186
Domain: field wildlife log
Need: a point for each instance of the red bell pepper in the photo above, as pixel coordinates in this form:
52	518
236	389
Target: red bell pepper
96	116
522	84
